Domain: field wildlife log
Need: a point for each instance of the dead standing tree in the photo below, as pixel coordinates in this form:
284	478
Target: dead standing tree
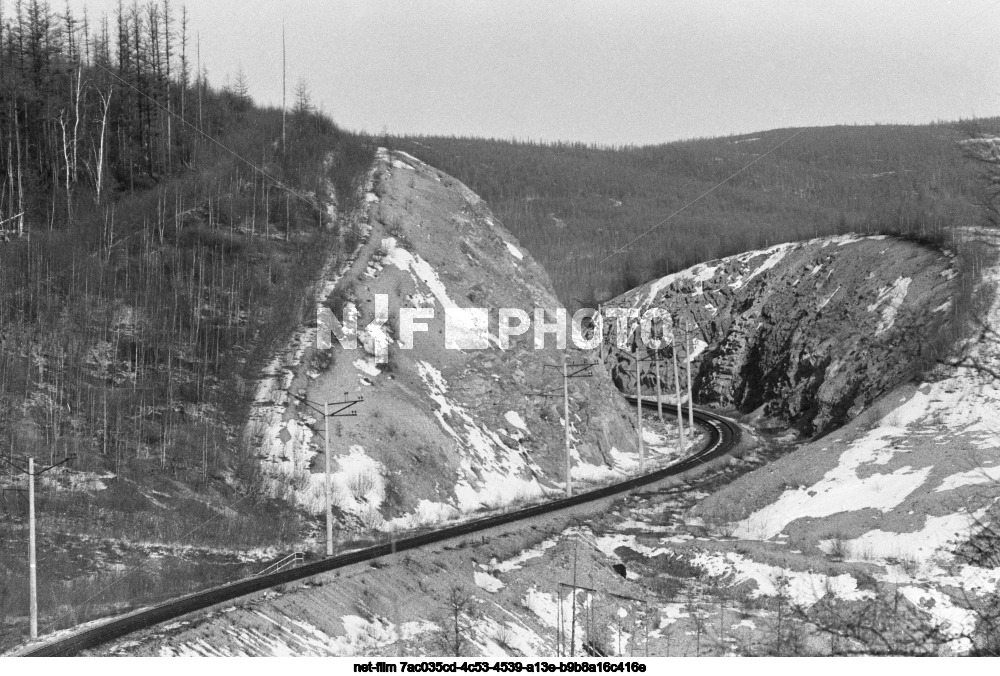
459	606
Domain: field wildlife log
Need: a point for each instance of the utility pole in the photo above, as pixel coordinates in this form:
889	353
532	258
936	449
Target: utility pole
32	556
572	629
659	398
687	356
198	79
677	390
284	78
331	409
343	409
638	408
582	370
32	561
326	478
559	621
569	476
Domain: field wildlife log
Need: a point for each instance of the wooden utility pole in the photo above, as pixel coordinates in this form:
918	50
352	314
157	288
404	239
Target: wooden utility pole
638	408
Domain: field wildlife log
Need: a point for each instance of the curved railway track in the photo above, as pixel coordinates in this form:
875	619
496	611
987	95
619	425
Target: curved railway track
723	435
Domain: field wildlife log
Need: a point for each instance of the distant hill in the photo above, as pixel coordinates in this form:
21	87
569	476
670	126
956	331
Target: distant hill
574	205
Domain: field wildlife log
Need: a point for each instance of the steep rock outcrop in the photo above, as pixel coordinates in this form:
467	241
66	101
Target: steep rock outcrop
442	430
806	333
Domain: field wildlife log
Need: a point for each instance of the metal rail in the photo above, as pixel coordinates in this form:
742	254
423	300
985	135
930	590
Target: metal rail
723	435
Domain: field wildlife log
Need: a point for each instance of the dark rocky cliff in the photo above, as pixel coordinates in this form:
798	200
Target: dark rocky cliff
805	334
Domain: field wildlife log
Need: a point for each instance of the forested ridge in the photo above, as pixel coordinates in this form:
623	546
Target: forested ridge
604	219
159	234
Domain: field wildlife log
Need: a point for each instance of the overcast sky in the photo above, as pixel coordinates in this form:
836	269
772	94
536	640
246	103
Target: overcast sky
611	72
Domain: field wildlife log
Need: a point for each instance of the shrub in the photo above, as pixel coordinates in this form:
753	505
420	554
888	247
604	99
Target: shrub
361	484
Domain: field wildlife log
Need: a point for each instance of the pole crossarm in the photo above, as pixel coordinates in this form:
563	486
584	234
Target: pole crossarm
584	365
344	406
61	462
314	405
15	466
341	410
38	472
310	404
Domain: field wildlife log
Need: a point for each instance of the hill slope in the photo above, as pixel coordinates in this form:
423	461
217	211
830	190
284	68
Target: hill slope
905	494
441	431
603	220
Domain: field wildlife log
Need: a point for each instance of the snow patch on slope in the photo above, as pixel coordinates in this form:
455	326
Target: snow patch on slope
491	473
466	326
804	588
841	489
889	300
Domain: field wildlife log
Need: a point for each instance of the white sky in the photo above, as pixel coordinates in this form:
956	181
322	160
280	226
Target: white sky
611	72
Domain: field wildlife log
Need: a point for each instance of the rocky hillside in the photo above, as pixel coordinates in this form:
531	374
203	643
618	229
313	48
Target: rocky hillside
806	334
906	493
441	431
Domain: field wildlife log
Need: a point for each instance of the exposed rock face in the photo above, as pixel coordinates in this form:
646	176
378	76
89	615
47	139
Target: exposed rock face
441	430
806	333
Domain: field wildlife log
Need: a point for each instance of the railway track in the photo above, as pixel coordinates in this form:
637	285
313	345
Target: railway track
723	435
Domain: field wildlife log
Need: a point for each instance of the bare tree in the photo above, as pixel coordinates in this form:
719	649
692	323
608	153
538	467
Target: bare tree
885	624
698	619
98	168
459	608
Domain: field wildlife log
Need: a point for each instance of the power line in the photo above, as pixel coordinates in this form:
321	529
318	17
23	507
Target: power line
970	20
